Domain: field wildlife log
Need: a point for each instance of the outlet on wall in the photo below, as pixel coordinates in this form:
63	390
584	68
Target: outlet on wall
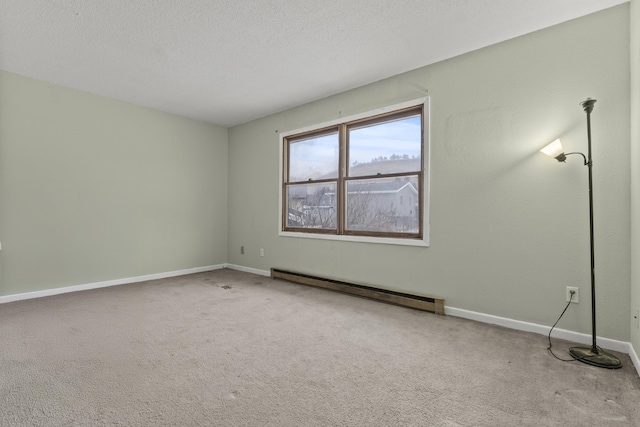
242	250
261	251
576	295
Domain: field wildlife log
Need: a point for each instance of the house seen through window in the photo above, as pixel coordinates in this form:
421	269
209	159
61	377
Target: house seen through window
362	177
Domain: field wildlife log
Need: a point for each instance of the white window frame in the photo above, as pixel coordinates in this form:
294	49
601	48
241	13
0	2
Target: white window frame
419	242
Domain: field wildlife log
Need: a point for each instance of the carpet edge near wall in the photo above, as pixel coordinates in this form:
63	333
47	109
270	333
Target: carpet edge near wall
107	283
609	344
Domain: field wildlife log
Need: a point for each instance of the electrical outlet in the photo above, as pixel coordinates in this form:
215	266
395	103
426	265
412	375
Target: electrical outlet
261	251
576	295
242	250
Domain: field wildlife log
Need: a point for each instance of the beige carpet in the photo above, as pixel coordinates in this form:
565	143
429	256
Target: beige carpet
228	348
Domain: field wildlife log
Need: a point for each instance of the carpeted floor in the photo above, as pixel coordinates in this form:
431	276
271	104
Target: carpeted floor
227	348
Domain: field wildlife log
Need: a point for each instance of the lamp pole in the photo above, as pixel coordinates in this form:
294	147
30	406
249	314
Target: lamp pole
592	355
588	108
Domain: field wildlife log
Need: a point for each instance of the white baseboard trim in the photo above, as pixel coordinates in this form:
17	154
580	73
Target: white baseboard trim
248	270
107	283
634	358
610	344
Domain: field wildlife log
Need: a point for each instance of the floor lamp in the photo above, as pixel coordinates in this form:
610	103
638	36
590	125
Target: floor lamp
593	355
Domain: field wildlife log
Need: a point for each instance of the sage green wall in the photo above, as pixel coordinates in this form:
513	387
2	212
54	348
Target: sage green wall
509	226
635	171
94	189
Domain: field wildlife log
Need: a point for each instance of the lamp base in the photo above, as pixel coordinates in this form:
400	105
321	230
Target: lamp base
601	358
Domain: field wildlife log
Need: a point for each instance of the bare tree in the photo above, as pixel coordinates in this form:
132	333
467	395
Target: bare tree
314	209
365	211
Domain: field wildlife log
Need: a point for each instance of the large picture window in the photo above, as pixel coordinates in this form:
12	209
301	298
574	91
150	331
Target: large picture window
360	177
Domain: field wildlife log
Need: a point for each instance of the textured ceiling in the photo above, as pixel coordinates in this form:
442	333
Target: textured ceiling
231	61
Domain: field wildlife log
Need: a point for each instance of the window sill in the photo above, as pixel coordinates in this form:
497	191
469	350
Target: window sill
424	243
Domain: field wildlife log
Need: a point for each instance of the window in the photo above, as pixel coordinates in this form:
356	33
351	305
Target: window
362	176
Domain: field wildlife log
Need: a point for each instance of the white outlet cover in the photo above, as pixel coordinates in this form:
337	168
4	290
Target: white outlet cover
576	297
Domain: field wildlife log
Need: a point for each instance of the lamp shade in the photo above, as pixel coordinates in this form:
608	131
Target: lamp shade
554	149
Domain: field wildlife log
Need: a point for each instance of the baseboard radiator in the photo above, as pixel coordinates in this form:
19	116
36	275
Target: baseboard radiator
434	305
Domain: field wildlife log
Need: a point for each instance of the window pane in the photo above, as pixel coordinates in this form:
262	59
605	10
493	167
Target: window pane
384	148
383	205
314	158
312	206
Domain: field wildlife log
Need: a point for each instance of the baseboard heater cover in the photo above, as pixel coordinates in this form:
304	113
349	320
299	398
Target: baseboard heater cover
434	305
